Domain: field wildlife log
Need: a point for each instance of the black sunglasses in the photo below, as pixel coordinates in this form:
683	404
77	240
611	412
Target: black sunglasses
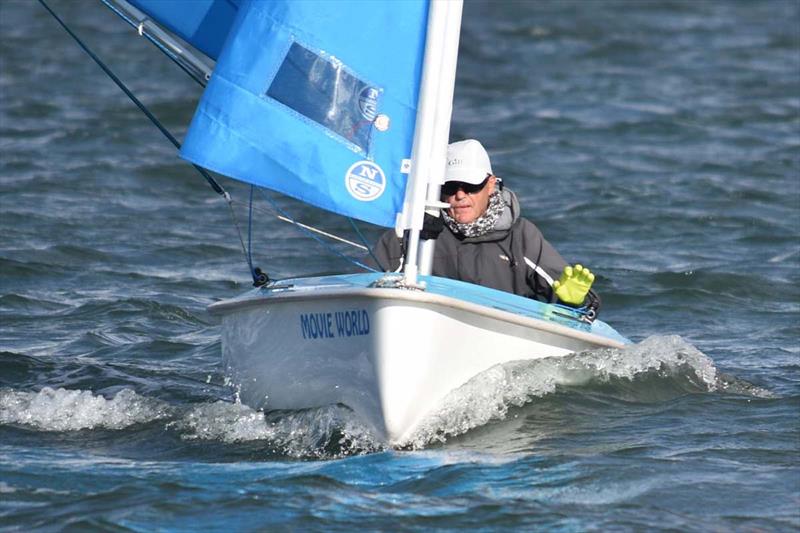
452	187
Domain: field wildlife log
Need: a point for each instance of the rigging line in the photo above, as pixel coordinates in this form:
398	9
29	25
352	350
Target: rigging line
239	233
211	181
363	240
250	232
167	52
307	227
311	234
214	185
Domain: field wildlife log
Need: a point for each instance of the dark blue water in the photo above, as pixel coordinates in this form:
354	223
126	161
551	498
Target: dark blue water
656	142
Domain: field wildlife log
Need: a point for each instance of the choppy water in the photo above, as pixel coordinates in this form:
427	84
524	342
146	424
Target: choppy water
657	142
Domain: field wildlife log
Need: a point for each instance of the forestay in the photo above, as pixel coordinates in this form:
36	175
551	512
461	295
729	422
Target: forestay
317	100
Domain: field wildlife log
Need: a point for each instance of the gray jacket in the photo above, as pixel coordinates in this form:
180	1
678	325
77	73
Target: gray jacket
513	257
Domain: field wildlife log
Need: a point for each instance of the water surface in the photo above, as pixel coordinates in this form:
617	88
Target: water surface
656	142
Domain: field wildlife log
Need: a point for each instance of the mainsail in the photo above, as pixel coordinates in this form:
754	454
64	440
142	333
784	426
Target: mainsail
317	100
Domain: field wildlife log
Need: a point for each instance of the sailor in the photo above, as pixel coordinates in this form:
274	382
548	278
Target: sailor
482	238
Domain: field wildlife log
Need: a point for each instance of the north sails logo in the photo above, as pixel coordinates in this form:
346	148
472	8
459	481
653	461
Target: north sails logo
368	103
365	181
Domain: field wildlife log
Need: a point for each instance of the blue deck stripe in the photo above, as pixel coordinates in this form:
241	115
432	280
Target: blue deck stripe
474	294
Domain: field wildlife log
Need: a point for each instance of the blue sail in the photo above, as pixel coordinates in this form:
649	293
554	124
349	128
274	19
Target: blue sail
202	23
317	100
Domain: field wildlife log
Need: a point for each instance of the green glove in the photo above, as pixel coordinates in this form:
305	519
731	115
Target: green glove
574	284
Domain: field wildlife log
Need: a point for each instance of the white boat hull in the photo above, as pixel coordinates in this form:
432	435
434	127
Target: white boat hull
391	355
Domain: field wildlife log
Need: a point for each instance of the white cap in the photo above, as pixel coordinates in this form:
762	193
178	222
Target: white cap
467	161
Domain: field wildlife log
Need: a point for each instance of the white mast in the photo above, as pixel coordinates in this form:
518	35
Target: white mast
429	151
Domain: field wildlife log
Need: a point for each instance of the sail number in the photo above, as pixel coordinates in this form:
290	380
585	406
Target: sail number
336	324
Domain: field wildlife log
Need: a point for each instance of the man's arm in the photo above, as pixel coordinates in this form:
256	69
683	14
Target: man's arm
389	252
546	266
544	263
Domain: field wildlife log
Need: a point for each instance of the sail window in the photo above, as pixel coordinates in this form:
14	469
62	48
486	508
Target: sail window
321	89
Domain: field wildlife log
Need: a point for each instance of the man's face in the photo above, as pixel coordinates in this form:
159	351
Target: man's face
466	207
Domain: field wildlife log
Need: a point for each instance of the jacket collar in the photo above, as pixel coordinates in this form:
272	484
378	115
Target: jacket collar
507	219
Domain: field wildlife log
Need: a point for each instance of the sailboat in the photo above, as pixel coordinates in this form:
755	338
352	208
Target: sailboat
346	106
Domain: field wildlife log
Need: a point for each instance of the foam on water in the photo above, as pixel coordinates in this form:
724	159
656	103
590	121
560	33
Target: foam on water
332	431
335	431
70	410
489	395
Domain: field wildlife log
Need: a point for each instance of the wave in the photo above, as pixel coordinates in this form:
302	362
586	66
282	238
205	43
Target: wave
323	433
72	410
656	370
677	367
327	432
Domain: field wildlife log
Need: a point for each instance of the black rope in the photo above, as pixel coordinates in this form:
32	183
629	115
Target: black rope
211	181
259	277
250	231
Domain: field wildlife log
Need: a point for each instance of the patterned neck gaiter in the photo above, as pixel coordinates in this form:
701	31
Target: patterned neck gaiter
481	225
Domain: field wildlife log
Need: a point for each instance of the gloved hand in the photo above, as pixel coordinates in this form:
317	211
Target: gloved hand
574	284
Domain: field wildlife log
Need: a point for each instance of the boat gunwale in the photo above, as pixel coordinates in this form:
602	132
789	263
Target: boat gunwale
409	295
